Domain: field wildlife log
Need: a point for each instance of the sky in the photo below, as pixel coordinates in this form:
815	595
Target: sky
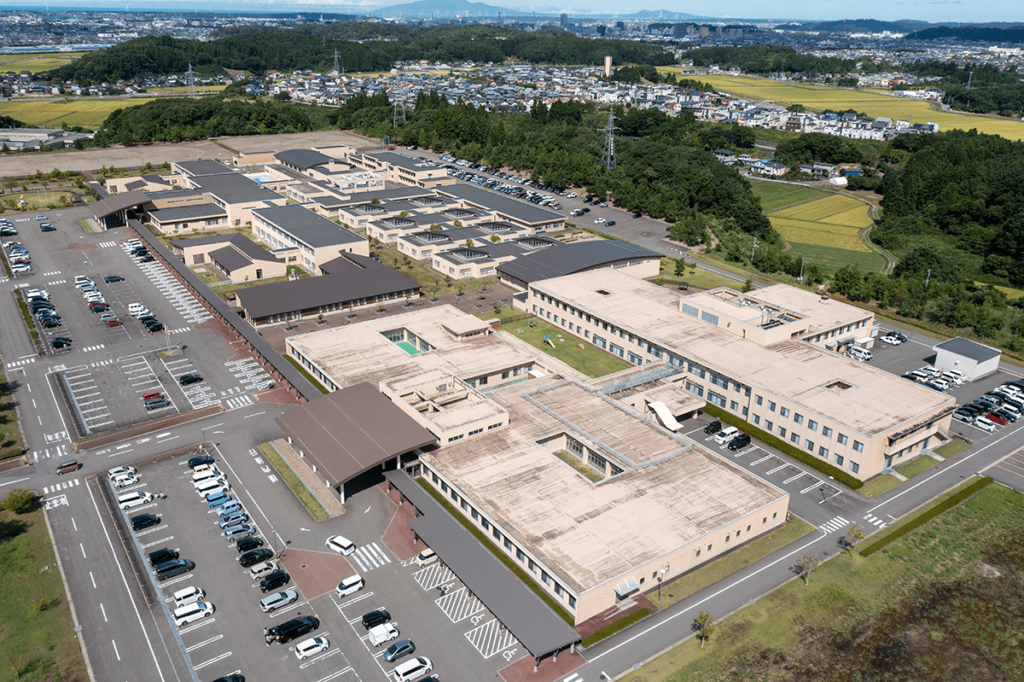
816	10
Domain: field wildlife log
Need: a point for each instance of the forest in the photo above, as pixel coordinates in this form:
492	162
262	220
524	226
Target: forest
258	50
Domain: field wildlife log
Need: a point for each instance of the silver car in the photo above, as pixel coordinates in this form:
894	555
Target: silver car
233	519
275	601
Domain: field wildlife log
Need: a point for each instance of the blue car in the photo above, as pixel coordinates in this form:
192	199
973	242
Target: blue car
229	507
217	499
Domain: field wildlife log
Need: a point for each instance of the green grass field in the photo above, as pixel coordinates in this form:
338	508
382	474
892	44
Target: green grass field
878	485
798	625
85	112
819	97
36	644
831	259
775	195
920	465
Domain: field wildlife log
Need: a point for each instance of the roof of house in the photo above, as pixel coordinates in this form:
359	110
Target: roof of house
190	212
311	228
570	258
347	278
302	158
978	352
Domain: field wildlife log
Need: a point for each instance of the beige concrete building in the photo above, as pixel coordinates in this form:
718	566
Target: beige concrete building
762	362
234	256
594	499
301	237
402	169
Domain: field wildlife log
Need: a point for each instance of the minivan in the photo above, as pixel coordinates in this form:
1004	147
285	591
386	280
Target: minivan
726	435
274	580
210	485
188	595
289	630
133	499
68	467
862	354
232	533
425	557
173	568
200	477
350	585
413	668
740	441
162	555
262	569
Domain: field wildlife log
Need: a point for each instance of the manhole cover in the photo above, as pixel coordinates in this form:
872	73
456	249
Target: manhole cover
303	566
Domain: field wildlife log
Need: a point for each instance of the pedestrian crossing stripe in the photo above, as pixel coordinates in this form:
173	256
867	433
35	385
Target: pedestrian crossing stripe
60	486
874	520
19	363
107	245
89	348
241	401
834	524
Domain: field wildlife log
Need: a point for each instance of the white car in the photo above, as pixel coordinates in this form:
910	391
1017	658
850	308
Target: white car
891	340
183	615
133	499
311	647
118	471
598	221
125	480
275	601
571	195
341	544
413	669
985	424
383	633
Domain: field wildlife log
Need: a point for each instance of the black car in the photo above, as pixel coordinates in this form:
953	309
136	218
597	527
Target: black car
186	379
1006	414
248	544
41	305
274	580
155	327
234	677
145	319
637	214
292	629
740	441
713	427
375	618
100	308
144	521
61	342
161	555
47	227
255	556
586	210
113	278
198	460
49	323
147	259
609	223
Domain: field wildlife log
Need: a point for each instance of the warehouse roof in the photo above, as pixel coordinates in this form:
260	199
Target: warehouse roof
190	212
302	158
570	258
308	227
973	350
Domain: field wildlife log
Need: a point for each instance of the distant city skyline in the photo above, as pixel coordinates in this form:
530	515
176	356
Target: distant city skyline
802	10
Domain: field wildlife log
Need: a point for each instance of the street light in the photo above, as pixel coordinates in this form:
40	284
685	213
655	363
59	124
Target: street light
661	580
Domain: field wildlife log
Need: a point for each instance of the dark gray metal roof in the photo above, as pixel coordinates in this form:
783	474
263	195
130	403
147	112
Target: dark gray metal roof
190	212
570	258
233	188
202	167
308	227
230	259
529	619
247	332
351	430
400	160
118	202
969	349
495	201
302	158
348	278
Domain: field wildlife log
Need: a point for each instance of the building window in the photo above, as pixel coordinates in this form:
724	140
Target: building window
826	431
508	545
782	432
519	555
716	398
689	310
768	426
532	566
745	411
809	444
572	602
719	380
734	406
858	446
600	342
696	370
727	538
559	590
696	389
465	505
775	515
708	317
444	487
839	460
784	412
709	548
798	418
854	467
485	523
794	438
474	514
842	439
771	406
698	552
812	425
758	400
756	419
823	451
545	577
496	534
748	529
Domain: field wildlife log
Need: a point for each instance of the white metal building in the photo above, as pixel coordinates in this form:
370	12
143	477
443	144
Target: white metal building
974	359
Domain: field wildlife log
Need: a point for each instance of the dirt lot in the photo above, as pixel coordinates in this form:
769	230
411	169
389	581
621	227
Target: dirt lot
93	159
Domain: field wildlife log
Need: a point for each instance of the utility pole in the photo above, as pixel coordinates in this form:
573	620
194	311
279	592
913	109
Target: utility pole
191	81
608	156
927	278
336	61
754	248
969	78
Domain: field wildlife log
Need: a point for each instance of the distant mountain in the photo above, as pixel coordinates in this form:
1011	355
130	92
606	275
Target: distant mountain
1014	34
446	8
856	26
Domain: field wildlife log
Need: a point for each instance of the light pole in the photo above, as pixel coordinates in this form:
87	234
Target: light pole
661	580
204	438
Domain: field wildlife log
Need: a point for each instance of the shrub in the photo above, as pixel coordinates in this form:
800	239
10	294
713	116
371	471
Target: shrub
616	627
19	501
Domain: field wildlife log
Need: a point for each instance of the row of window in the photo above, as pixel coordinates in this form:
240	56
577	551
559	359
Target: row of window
501	539
798	418
730	536
838	330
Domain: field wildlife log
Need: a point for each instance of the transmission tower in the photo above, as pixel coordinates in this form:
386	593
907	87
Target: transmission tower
608	156
191	81
336	61
399	105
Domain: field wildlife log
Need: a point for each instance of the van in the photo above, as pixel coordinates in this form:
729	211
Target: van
134	308
289	630
201	468
426	557
206	475
68	467
261	569
920	375
133	499
162	555
861	354
726	435
232	533
740	441
413	668
173	568
350	585
188	595
211	485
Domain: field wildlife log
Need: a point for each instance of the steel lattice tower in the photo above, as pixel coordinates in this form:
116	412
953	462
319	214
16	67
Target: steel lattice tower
608	156
191	81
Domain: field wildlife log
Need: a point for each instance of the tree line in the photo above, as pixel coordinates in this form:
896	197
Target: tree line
258	50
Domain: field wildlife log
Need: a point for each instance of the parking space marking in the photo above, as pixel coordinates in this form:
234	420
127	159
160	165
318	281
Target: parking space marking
490	638
157	542
168	583
459	604
249	373
834	524
203	643
811	487
184	302
793	478
433	575
761	460
197	666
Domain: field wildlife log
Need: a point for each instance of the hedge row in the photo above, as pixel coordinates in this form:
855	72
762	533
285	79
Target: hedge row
945	505
784	447
610	630
502	557
27	317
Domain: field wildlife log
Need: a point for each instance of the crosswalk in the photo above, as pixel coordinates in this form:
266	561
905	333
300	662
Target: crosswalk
875	521
56	281
180	330
834	524
107	245
58	452
63	485
368	557
91	348
19	363
50	274
101	363
235	403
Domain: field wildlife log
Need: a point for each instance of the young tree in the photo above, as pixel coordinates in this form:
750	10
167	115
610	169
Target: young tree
704	625
853	536
19	501
806	566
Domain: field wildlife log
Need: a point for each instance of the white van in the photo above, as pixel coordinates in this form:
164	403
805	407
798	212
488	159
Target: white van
350	585
203	467
205	476
212	485
135	308
726	435
425	557
413	669
861	354
133	499
188	595
383	633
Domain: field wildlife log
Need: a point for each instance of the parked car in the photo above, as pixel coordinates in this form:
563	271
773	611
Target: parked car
60	342
183	615
273	581
311	647
385	632
272	602
997	418
402	647
375	618
713	427
199	459
609	223
247	544
412	669
110	279
233	519
985	424
217	498
341	544
254	557
161	555
143	521
186	379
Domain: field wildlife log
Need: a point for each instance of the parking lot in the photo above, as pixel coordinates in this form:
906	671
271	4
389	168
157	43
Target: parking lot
427	603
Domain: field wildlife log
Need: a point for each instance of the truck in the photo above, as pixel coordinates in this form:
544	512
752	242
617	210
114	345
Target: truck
383	633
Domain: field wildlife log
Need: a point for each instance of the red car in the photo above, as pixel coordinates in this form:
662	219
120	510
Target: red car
997	419
97	304
113	323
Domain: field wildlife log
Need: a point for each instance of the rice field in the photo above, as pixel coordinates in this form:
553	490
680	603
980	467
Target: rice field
86	112
775	195
820	97
831	221
37	63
